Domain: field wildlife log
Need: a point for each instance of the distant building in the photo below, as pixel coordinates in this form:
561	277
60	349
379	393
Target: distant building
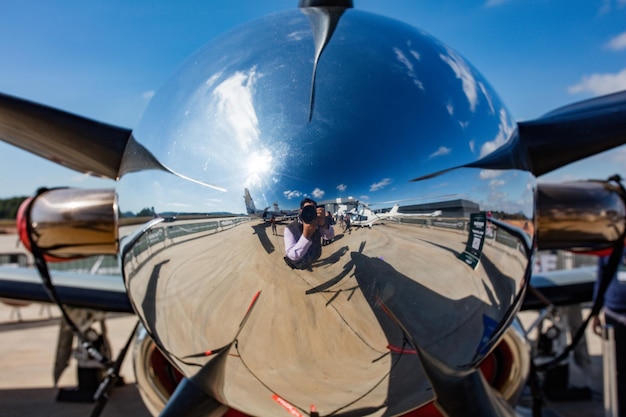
451	208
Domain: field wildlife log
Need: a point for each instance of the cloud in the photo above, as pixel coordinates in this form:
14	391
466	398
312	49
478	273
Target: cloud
297	35
486	174
317	193
618	155
600	84
485	92
235	107
617	43
342	187
505	128
607	6
292	194
404	60
440	152
147	95
463	73
381	184
495	3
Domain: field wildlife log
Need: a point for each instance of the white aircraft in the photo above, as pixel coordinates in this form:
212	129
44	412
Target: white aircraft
266	214
365	217
394	213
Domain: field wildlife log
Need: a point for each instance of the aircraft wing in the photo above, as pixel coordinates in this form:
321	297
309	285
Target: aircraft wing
562	287
95	292
107	292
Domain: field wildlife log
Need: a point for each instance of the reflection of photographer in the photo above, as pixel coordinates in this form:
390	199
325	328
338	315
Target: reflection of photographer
303	237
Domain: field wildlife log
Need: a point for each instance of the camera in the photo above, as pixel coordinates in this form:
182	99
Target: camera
308	214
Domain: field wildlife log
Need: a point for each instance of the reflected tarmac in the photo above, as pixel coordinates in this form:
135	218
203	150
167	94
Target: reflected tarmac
348	320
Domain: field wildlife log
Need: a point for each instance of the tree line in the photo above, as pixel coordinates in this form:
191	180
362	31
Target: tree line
9	206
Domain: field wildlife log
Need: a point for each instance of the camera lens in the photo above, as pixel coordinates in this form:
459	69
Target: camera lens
309	214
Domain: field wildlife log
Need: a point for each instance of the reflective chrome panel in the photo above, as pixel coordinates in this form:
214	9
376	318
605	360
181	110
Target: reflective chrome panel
445	274
580	215
156	378
70	222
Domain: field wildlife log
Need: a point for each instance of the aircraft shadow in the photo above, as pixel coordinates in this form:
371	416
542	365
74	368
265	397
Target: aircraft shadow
407	312
29	324
125	401
261	231
148	306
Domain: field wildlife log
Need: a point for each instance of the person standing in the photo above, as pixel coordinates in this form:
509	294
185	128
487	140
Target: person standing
614	309
303	237
273	223
348	227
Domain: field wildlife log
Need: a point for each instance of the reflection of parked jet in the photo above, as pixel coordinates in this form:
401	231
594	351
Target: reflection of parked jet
266	214
364	217
395	213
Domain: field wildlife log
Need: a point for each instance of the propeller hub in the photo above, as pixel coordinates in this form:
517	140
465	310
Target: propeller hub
339	106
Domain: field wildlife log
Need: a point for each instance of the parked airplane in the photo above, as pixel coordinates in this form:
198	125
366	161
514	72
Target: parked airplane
246	333
365	217
395	213
266	214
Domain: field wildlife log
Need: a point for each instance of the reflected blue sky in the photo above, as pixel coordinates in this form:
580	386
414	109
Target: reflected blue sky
391	104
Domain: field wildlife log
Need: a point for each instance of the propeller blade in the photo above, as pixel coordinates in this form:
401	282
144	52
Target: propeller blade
199	395
189	400
558	138
324	17
73	141
574	132
463	393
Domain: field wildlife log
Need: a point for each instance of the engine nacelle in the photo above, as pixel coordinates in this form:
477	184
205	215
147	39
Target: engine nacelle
156	377
506	369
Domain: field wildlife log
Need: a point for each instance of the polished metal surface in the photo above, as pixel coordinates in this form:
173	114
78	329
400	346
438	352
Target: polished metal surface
383	103
70	222
515	356
580	215
155	379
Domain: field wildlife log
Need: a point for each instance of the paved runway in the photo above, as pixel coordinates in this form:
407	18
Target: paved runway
26	362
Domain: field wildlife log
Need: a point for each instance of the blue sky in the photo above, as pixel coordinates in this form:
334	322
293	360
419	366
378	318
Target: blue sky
105	59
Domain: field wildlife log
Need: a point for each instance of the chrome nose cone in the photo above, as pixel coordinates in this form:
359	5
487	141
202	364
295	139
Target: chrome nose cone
285	108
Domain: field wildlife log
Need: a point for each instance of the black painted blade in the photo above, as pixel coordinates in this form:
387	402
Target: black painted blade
558	138
574	132
73	141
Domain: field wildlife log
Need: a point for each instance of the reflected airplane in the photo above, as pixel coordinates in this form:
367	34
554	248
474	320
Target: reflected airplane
365	217
266	214
395	213
405	321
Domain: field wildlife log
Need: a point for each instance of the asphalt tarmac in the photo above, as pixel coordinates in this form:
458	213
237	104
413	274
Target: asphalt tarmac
27	350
